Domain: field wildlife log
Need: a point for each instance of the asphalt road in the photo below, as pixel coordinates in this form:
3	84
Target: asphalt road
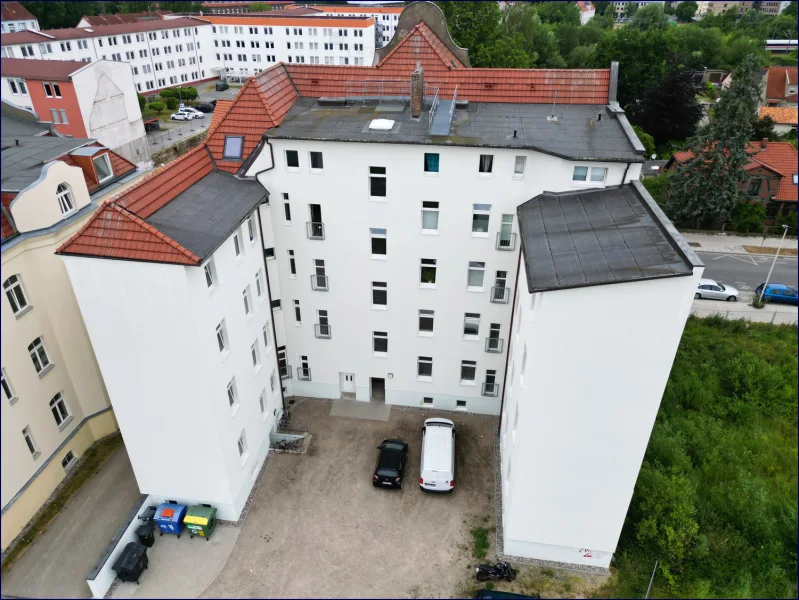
747	272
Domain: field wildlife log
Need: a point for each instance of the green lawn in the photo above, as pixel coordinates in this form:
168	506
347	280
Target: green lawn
716	499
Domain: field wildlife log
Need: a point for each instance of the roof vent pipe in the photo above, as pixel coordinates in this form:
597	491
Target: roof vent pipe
598	117
417	91
16	142
764	143
514	133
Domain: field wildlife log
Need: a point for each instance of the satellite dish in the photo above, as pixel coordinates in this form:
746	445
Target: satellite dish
654	156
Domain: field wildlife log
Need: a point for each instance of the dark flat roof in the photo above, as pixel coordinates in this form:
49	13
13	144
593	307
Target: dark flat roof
599	236
207	213
21	165
576	135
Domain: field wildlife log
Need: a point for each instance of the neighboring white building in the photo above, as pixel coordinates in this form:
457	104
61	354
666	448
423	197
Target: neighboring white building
17	18
587	12
380	221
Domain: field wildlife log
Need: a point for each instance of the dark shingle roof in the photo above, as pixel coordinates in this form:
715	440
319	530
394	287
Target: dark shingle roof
22	165
599	236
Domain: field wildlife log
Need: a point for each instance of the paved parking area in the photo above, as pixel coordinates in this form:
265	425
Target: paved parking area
318	528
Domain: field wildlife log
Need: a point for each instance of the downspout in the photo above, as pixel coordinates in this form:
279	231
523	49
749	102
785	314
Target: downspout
624	178
510	335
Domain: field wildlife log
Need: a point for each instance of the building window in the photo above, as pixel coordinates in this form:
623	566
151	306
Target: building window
428	272
468	371
68	460
379	342
234	145
519	166
379	293
247	298
297	314
461	404
232	393
262	400
580	174
429	216
259	283
480	218
427	400
275	304
292	159
51	90
486	163
102	167
26	433
426	320
54	116
6	385
64	196
597	174
431	162
424	366
378	242
471	325
272	381
474	280
38	355
265	331
292	264
255	353
237	244
242	444
323	327
754	187
286	208
60	411
251	228
377	182
210	273
15	294
316	161
221	336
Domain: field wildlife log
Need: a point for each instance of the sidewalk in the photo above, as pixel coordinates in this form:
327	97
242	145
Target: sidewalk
734	244
172	132
772	313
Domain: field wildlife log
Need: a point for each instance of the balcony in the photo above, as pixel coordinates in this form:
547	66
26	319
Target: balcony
304	373
285	371
491	389
319	283
322	331
500	295
494	345
316	231
506	241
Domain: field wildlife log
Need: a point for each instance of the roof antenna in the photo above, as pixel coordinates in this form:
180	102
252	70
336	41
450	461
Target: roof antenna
553	116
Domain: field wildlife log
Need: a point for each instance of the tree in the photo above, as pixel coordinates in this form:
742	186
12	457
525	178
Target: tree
685	11
791	11
259	7
56	15
504	53
705	189
601	8
142	101
647	140
763	129
167	93
539	39
748	217
172	103
157	107
181	6
558	12
472	24
650	16
185	93
581	57
630	9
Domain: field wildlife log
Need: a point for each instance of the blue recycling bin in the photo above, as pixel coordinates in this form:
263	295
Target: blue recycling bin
169	518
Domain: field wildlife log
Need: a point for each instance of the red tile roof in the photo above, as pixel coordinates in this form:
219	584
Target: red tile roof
220	110
119	19
14	11
76	33
49	70
780	114
420	44
119	165
7	226
776	82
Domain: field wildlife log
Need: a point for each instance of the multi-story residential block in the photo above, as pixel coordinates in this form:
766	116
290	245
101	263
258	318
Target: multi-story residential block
17	18
232	7
386	18
54	403
120	19
95	100
717	8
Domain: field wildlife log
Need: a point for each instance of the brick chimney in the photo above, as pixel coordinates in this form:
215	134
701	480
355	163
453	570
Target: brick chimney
763	143
417	91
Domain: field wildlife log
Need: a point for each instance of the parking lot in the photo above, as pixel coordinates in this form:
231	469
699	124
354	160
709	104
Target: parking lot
318	528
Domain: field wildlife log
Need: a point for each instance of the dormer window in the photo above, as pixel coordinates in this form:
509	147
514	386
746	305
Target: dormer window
102	166
795	179
233	147
65	201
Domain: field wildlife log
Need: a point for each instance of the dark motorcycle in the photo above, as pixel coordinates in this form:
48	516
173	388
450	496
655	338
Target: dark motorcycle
501	570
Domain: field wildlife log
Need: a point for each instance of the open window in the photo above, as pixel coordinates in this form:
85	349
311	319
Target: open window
102	166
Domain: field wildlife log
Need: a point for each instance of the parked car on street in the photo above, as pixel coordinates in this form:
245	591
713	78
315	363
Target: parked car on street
390	464
205	107
192	112
779	293
221	86
712	290
438	456
499	595
180	116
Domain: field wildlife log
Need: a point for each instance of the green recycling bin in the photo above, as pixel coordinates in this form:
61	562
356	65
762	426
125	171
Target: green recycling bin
200	520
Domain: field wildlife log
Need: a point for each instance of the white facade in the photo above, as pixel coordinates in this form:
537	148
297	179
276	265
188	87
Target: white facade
10	26
168	379
586	374
348	214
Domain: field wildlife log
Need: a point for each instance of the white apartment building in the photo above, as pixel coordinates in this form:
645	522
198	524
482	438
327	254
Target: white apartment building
16	18
391	230
386	18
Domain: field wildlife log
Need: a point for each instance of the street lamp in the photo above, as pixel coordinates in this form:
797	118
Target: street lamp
773	262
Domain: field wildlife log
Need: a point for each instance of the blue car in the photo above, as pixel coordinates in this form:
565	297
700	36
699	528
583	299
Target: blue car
776	292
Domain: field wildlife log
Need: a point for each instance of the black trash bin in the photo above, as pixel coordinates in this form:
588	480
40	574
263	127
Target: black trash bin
131	562
149	513
145	534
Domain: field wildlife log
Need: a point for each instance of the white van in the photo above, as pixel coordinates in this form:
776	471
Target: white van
438	456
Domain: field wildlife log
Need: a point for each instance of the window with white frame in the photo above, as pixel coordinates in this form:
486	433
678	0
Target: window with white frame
68	461
234	146
471	325
265	332
480	217
251	229
424	367
468	371
247	299
377	182
518	167
8	391
65	201
486	164
426	321
255	353
51	90
262	402
221	336
379	294
292	264
242	444
259	283
427	400
379	342
15	294
428	272
237	244
39	355
272	380
29	442
593	174
317	164
232	393
292	160
60	411
297	313
378	236
429	216
476	274
431	162
102	167
209	269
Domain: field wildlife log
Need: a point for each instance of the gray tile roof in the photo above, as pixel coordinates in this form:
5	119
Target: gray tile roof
599	236
21	165
207	213
576	135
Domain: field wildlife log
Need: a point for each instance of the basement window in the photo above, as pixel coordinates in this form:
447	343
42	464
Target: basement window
233	147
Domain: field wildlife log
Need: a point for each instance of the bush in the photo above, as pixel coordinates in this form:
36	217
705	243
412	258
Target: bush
647	140
142	101
790	220
658	187
157	107
748	217
167	93
172	103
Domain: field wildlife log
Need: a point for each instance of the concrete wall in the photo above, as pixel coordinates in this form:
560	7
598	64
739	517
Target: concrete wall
578	413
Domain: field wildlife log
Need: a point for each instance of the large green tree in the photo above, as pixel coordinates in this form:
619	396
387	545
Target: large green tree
705	189
57	15
685	11
650	16
558	12
472	24
504	53
539	39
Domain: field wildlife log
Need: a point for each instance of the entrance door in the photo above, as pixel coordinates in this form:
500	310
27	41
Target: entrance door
378	389
347	382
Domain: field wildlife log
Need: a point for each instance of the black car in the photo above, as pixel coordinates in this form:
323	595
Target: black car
205	107
221	86
492	594
390	464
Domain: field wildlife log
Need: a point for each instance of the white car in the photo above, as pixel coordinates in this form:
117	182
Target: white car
192	112
180	116
438	456
712	290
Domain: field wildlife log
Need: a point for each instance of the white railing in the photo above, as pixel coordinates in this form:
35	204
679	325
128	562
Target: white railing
433	108
454	100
